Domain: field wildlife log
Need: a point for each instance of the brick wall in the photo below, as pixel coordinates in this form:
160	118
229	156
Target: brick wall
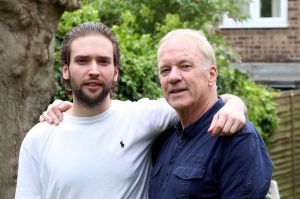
269	45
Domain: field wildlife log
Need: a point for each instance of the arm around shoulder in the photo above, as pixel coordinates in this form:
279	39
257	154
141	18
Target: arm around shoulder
230	118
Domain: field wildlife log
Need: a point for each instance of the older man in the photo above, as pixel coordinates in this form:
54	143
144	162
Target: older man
189	163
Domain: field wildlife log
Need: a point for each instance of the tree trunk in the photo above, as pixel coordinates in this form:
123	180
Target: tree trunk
27	29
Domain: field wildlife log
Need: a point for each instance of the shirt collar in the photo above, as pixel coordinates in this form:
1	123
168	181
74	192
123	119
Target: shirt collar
191	130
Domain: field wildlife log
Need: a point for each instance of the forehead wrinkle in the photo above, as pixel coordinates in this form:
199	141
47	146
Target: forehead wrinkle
179	59
170	53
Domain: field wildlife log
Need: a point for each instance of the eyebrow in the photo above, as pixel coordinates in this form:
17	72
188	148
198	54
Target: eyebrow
186	60
87	56
80	56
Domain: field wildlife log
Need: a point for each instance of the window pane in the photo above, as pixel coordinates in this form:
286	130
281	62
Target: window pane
270	8
245	9
276	8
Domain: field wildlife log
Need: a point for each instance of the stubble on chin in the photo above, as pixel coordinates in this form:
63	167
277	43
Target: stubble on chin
91	101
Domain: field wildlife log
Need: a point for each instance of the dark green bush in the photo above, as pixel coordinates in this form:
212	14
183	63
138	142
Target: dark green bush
140	24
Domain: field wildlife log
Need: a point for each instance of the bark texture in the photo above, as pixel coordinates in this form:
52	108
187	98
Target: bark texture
27	29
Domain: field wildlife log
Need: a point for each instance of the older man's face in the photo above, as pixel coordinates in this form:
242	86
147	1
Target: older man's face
183	78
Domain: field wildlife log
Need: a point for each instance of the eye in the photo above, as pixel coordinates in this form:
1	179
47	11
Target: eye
164	71
81	60
104	61
186	67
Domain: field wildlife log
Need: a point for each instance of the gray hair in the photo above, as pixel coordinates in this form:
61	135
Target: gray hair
204	46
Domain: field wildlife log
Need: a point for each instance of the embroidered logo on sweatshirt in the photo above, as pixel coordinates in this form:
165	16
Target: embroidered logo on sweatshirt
122	144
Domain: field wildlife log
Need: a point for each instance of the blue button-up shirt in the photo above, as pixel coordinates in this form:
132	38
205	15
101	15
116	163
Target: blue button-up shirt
190	163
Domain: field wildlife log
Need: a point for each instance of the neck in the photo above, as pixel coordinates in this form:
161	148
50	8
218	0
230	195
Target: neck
80	110
195	111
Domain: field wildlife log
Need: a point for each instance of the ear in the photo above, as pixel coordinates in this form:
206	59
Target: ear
116	73
65	70
213	74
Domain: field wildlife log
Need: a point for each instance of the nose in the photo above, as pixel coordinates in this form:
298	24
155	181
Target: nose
174	75
94	69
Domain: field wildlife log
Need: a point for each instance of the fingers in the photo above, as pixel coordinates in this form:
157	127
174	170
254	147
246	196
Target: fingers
219	122
229	119
41	119
45	118
226	129
236	127
226	124
50	116
54	115
65	105
213	124
220	126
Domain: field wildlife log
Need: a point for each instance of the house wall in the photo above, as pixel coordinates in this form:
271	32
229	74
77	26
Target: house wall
269	45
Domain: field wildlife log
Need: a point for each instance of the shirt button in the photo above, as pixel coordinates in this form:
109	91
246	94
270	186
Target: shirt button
186	174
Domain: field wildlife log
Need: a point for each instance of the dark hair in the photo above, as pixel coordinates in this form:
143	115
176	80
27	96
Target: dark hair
82	30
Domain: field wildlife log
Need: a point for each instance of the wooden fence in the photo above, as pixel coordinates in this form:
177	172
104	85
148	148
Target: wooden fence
285	145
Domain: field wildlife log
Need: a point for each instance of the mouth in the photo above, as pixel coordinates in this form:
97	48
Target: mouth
177	90
92	85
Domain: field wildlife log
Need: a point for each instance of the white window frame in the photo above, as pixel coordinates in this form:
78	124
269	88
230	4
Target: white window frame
255	21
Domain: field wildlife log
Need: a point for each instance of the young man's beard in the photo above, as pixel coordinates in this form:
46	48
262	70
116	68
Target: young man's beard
87	101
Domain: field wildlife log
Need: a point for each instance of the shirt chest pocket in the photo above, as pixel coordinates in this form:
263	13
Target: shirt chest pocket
189	172
187	178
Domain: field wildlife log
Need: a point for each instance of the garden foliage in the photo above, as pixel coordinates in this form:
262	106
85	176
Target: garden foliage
140	24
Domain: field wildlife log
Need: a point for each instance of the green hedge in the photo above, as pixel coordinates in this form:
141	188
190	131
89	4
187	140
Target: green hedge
140	24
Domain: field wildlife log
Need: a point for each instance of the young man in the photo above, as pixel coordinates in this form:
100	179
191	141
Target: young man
188	162
102	147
